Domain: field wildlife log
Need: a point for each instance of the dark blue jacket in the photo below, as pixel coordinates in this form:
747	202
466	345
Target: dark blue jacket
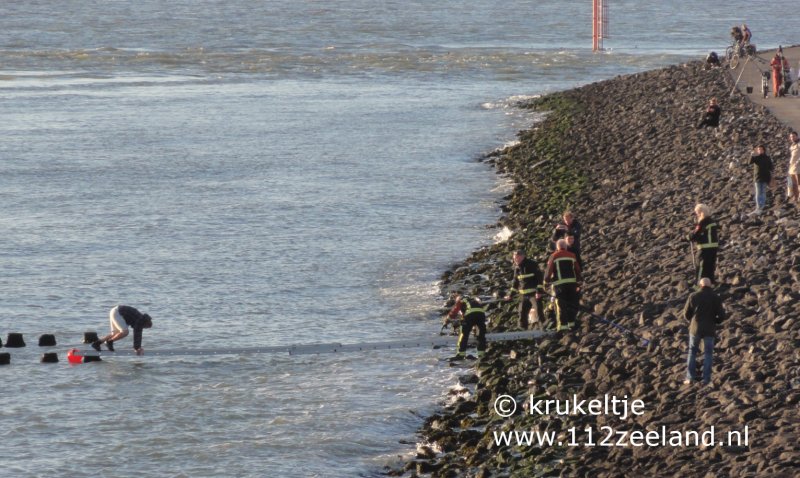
134	319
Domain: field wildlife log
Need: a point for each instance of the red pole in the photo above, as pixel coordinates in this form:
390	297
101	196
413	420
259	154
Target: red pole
595	29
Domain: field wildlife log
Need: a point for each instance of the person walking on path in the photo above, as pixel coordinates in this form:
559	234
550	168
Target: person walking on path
762	175
778	64
711	115
704	310
473	315
527	281
794	168
706	236
120	318
564	275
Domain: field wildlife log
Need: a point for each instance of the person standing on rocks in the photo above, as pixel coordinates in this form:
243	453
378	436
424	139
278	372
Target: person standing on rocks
711	116
564	275
527	281
704	311
706	236
571	248
794	168
762	174
473	315
570	225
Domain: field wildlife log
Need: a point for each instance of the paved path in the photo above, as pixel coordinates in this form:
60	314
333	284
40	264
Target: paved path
786	109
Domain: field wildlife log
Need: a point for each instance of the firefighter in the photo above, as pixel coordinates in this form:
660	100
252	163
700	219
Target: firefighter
472	315
564	275
706	236
527	281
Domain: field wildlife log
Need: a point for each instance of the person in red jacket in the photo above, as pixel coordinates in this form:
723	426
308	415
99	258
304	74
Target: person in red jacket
564	274
778	64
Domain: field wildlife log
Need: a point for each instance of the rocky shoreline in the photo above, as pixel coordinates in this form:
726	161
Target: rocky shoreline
625	156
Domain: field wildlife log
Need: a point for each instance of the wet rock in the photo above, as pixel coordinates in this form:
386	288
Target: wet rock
635	209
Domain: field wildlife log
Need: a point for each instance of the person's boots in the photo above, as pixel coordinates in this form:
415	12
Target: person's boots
110	345
96	345
458	357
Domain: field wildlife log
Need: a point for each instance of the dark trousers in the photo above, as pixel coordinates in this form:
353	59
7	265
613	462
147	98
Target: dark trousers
567	303
472	320
707	265
525	305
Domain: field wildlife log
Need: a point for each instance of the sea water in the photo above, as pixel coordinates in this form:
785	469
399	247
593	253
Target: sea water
262	173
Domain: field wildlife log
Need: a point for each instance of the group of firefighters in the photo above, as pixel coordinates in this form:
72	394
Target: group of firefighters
560	283
562	277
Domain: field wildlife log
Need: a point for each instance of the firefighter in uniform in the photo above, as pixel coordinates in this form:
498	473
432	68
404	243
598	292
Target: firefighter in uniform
564	275
706	236
473	315
527	282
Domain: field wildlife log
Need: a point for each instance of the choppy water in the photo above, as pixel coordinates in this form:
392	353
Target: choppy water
264	173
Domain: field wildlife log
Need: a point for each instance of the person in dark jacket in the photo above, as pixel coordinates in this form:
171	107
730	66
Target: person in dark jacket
704	311
762	176
711	115
712	60
121	317
706	236
527	281
564	275
571	248
473	315
570	225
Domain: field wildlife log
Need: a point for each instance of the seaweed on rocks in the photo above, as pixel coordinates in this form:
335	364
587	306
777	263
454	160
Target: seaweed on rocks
625	155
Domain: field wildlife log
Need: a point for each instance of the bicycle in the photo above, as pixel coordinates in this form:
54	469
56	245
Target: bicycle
735	52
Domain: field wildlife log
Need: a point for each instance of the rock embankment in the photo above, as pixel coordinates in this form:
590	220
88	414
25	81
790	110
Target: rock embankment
626	157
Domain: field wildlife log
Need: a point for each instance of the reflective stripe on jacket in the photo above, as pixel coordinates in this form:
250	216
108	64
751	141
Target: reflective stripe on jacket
527	277
706	234
563	268
472	308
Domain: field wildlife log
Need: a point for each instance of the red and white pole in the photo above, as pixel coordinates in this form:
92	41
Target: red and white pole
599	23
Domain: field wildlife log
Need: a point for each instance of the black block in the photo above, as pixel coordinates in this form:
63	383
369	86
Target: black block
47	340
15	340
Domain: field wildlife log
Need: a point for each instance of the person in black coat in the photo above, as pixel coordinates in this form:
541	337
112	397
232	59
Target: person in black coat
711	115
569	226
704	311
762	176
120	318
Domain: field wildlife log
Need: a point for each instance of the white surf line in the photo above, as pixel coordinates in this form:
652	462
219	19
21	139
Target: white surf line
309	349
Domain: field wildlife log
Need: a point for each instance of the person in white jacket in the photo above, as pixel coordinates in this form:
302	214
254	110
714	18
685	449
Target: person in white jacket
793	186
